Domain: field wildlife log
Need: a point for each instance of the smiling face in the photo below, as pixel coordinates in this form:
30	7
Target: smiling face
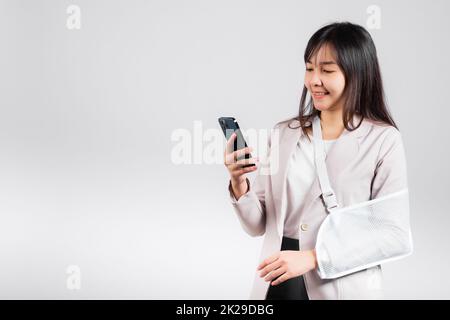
325	80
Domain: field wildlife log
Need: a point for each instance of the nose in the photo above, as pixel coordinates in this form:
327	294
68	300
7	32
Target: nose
315	79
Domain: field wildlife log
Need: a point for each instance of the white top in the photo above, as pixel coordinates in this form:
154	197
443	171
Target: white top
300	177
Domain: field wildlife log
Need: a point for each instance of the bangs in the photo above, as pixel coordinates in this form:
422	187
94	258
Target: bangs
314	47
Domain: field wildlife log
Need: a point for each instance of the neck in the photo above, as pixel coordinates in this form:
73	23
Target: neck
331	124
331	120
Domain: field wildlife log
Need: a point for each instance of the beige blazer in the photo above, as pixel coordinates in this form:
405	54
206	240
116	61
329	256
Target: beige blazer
363	164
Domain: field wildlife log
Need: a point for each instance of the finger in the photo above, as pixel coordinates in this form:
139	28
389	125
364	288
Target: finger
275	274
242	152
281	279
269	260
230	143
268	268
231	158
242	171
272	266
247	161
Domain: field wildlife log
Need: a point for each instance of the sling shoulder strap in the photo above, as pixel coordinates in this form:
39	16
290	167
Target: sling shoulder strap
328	195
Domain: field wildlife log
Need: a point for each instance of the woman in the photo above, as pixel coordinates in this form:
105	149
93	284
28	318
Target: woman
311	249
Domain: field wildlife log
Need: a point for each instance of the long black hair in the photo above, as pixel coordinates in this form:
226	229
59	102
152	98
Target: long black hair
356	55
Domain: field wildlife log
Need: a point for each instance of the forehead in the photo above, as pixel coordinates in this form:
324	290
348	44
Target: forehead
324	55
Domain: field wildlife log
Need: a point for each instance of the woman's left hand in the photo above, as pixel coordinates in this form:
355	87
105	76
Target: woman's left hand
287	264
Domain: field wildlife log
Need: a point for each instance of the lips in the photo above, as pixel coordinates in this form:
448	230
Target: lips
320	94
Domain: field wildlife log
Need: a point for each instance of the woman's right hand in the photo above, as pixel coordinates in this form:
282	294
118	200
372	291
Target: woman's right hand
235	167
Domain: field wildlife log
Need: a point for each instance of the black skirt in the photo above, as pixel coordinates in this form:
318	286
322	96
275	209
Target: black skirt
293	288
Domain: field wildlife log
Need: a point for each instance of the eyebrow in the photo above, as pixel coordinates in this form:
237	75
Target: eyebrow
323	62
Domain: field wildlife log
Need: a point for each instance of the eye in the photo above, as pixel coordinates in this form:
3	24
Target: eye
328	71
308	69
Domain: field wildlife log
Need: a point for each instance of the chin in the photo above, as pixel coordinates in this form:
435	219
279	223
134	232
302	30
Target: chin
321	107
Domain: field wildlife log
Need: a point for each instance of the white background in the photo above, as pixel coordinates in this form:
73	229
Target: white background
86	175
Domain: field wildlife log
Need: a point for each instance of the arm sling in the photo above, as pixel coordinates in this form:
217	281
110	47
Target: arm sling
361	235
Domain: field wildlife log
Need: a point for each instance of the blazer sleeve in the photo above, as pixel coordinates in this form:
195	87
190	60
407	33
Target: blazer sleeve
372	232
391	171
251	206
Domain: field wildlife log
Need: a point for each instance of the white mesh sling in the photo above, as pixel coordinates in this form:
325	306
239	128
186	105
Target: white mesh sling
359	236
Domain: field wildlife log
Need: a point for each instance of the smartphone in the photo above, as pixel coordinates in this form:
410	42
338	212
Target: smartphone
230	125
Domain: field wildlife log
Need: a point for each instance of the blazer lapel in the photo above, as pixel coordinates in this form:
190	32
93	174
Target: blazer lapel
339	156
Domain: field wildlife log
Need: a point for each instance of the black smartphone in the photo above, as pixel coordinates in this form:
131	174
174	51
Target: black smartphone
230	125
